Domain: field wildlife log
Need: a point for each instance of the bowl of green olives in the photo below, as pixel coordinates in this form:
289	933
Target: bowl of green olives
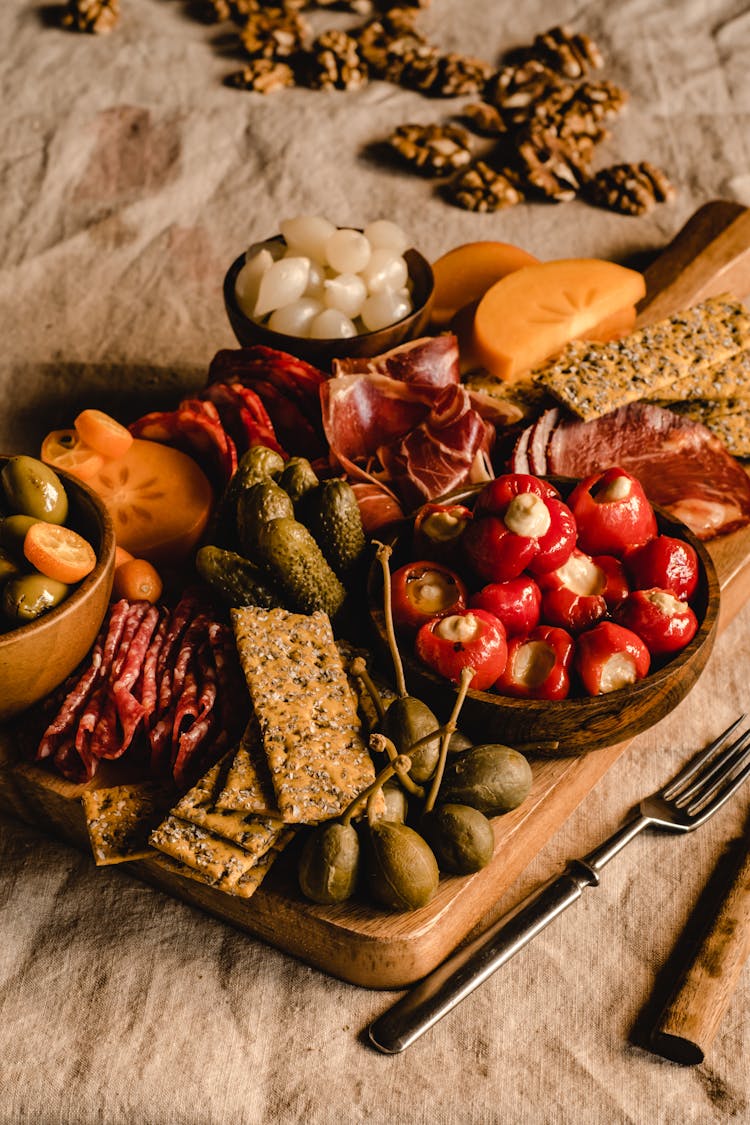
47	625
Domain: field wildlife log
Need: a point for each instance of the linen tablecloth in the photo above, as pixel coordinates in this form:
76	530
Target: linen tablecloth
132	175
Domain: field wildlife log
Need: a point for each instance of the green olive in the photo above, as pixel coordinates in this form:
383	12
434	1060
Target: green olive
461	838
13	532
329	863
28	596
8	565
407	720
32	489
402	872
492	778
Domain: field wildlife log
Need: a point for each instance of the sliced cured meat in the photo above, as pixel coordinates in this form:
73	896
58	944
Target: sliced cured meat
519	459
243	416
539	437
682	466
378	507
194	428
430	361
450	448
363	412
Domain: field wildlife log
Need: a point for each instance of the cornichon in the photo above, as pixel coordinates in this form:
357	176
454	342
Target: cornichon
237	581
257	505
257	464
331	513
297	565
298	478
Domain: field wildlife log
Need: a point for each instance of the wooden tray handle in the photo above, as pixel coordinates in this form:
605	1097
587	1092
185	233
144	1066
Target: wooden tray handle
689	1022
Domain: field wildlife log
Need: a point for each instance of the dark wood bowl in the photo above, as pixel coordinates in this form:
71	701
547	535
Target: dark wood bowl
321	353
579	724
36	657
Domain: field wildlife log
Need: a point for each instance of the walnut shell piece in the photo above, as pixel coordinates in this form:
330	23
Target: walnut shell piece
631	189
263	76
432	150
334	63
567	52
273	33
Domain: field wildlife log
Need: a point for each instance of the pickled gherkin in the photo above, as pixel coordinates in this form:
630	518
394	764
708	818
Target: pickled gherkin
298	478
297	566
236	580
257	506
257	464
332	514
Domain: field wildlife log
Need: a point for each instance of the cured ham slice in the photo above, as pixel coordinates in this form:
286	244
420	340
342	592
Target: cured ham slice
363	412
430	361
378	506
682	466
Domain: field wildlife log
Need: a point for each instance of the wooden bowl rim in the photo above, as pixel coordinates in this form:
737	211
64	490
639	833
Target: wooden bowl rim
583	704
104	556
286	343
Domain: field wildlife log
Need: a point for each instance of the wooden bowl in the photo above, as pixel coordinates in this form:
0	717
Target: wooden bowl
576	725
38	656
321	353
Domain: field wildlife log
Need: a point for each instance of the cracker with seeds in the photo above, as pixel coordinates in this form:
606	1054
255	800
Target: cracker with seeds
119	819
247	785
722	383
222	863
306	711
245	887
254	833
593	379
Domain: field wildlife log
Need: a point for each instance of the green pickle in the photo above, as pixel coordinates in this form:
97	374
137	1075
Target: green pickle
332	514
257	464
297	565
257	506
298	479
236	580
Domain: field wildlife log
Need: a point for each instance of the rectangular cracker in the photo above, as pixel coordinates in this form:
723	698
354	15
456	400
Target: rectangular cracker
247	785
724	382
594	379
306	711
245	887
119	819
222	862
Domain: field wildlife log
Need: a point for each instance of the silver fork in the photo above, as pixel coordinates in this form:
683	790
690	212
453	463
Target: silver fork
685	802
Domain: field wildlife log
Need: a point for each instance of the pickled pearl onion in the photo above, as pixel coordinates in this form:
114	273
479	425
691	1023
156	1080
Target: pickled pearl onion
283	282
347	251
332	325
385	270
249	278
295	318
384	308
308	233
346	292
388	235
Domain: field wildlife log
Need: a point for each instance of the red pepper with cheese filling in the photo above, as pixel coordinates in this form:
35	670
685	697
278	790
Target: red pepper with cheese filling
438	529
580	592
666	563
663	622
421	591
538	665
609	657
471	638
517	603
612	513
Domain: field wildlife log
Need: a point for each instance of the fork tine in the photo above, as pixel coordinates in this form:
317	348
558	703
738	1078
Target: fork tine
718	770
695	764
708	802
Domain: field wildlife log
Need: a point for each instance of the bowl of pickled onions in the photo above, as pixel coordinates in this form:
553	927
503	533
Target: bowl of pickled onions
322	292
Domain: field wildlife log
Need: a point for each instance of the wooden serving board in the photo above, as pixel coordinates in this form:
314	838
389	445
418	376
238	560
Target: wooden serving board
353	941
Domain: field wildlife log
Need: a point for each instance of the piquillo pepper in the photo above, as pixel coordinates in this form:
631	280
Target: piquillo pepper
438	529
663	622
612	513
666	563
518	525
538	665
471	638
609	657
580	592
516	602
421	591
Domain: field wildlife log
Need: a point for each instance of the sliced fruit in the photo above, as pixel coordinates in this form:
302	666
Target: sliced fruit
63	449
465	274
103	433
58	552
613	327
159	500
535	311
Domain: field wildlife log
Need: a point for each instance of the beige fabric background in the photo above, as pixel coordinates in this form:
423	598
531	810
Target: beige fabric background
131	177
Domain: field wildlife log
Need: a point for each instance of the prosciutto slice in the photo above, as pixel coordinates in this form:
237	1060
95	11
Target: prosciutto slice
430	361
682	466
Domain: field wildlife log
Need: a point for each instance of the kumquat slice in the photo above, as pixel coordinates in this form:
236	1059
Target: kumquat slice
58	552
63	449
103	433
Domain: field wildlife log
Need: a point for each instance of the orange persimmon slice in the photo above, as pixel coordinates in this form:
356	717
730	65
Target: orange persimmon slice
103	433
159	500
535	311
58	552
465	273
63	449
613	327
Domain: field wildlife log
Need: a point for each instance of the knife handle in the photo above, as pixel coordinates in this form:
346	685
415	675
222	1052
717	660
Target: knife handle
460	974
691	1018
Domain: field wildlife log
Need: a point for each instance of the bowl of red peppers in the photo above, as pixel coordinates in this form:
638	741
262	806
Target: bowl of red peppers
585	613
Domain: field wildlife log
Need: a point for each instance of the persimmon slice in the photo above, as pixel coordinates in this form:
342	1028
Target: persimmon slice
465	273
58	552
535	311
63	449
103	433
159	500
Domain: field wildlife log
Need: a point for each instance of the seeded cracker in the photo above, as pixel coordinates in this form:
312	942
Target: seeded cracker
120	818
720	384
218	861
245	887
306	710
594	379
247	785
